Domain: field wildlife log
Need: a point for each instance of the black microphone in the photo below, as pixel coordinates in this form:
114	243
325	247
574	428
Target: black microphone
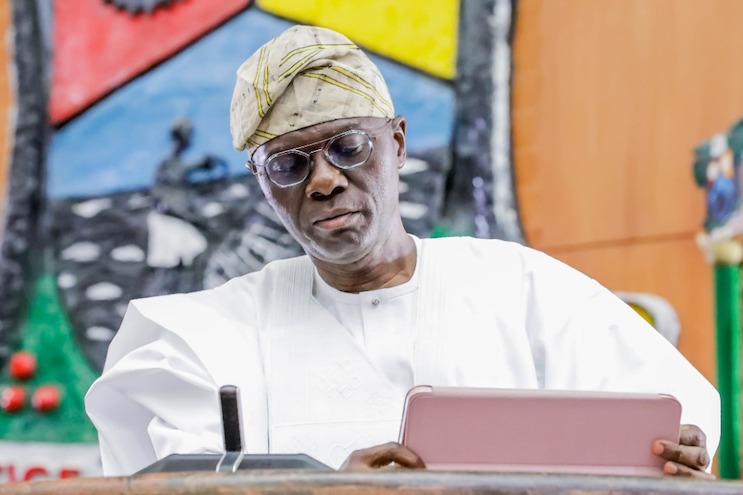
229	399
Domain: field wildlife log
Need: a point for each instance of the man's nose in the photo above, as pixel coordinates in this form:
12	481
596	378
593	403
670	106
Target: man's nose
324	178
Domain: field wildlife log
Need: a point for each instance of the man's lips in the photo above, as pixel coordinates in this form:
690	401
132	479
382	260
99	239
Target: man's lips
336	219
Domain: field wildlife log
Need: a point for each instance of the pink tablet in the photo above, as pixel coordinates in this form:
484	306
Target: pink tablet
538	430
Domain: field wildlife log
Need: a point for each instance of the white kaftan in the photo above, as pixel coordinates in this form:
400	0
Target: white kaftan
486	313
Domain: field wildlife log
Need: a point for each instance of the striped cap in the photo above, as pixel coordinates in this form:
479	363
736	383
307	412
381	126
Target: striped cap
305	76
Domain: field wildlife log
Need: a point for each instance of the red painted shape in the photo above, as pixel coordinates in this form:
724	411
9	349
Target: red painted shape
69	473
35	471
46	398
97	48
13	399
22	365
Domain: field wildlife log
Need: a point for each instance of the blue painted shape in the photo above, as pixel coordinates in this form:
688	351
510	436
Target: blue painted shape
426	102
117	144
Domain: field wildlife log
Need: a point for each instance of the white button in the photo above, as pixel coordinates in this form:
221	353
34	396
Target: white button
375	302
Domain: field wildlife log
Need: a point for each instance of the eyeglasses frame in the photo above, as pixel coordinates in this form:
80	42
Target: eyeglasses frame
308	156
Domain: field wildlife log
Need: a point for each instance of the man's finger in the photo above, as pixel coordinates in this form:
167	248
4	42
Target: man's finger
674	469
692	435
383	455
400	455
687	455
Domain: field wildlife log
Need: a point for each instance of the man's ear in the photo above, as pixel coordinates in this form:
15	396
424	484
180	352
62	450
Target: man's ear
399	124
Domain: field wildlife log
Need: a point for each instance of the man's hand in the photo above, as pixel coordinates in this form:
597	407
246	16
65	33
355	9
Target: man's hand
381	456
688	457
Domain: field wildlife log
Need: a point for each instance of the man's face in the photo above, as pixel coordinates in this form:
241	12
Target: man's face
339	216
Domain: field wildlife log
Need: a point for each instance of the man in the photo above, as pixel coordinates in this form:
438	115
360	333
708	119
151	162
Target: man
325	346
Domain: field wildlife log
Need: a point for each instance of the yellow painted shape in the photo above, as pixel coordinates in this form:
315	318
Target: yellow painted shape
418	33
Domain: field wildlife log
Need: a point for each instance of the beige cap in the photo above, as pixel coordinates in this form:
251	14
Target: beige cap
305	76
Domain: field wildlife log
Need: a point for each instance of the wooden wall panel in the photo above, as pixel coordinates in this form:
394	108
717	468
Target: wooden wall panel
609	99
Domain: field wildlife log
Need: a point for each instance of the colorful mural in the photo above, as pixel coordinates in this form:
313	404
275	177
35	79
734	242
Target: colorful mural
130	187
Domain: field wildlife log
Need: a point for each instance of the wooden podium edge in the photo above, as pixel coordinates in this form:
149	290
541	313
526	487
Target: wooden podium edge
381	482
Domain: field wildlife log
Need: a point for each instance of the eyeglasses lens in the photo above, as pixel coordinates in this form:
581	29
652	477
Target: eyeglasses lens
344	151
287	168
350	150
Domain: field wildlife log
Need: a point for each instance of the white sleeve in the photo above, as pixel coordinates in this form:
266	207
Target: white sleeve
153	399
588	339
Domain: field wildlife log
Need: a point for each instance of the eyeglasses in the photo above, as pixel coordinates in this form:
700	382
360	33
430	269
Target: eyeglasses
347	150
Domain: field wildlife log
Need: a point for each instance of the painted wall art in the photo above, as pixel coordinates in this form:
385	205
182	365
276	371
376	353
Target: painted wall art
119	180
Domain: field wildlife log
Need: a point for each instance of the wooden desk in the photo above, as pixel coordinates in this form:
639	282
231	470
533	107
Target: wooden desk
381	482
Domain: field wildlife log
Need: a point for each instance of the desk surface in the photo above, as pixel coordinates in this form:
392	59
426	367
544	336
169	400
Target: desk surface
378	482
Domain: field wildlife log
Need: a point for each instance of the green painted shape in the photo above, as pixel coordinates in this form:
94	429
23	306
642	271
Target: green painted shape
441	230
47	333
728	319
